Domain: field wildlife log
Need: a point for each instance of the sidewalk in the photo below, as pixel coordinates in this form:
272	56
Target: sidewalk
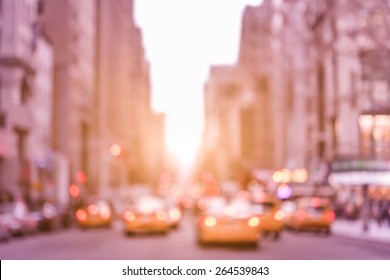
354	229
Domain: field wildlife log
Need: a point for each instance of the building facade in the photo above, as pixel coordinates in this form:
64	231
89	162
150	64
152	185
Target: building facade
318	86
71	27
19	47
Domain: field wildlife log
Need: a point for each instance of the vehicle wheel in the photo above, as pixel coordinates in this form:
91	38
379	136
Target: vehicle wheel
175	226
252	245
276	235
55	225
163	232
327	231
83	227
201	243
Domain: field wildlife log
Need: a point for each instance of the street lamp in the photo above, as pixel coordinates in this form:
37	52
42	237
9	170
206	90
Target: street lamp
115	150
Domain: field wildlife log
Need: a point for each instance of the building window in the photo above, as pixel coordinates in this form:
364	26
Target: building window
374	136
40	7
2	172
290	95
84	153
1	93
353	90
25	91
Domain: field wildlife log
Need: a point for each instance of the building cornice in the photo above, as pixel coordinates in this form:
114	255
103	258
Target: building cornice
9	61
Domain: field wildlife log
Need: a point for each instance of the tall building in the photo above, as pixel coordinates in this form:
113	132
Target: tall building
140	93
43	181
296	64
20	81
70	25
258	58
123	102
115	124
221	146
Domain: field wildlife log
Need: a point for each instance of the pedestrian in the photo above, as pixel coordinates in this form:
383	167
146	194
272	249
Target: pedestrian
376	210
382	211
387	212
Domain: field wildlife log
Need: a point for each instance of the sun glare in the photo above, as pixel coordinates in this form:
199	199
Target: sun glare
182	40
183	140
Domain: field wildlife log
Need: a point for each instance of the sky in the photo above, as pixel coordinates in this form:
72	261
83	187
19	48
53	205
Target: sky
182	39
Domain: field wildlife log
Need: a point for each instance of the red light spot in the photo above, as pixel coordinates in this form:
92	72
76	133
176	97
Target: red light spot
81	177
74	190
93	209
81	215
315	202
331	216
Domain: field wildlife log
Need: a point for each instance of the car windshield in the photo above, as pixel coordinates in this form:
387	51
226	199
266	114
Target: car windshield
234	209
315	210
149	204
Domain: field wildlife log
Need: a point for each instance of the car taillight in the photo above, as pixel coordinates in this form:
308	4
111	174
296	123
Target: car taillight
161	215
93	209
175	214
129	216
330	216
210	221
279	215
81	215
202	205
253	222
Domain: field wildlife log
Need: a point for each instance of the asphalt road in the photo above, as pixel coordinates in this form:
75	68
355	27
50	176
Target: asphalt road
180	244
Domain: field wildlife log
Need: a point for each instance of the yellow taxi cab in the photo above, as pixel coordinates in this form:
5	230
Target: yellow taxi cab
270	213
226	222
148	214
94	212
312	213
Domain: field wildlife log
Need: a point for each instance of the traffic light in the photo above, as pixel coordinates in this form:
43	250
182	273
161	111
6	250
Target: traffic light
81	177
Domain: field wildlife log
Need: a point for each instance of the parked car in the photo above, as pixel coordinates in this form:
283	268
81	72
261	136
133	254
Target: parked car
94	212
17	216
48	215
5	231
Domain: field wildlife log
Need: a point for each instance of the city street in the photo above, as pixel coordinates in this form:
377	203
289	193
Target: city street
101	244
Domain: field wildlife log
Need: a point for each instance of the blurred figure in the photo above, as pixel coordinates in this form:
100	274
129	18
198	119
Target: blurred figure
351	209
383	211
